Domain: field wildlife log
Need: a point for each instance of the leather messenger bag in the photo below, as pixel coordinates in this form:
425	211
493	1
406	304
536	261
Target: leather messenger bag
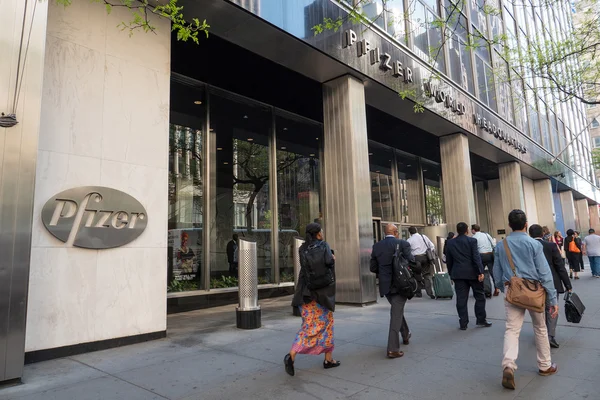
521	292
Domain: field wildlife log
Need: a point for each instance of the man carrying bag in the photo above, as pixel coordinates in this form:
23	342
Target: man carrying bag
523	273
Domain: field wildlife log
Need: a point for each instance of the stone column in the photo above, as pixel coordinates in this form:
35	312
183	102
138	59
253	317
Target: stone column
530	203
583	216
459	200
594	217
347	188
482	206
545	203
415	191
511	188
568	208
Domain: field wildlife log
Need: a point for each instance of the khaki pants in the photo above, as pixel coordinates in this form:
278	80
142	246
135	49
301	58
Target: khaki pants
514	323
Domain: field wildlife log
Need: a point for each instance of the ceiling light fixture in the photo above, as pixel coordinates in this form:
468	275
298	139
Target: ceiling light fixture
226	163
284	148
245	117
285	129
198	102
312	154
250	139
219	148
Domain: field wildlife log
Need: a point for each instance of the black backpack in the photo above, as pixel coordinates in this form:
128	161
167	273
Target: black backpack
317	273
402	277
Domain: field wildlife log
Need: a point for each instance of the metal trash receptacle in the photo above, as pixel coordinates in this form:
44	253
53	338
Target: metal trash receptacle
248	313
298	241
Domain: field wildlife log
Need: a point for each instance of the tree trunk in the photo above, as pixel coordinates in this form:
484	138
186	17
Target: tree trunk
250	206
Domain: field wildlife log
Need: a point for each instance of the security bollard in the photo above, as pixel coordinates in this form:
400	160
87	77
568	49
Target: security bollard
296	257
248	310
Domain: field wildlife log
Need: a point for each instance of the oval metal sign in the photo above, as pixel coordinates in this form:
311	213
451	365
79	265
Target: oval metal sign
94	217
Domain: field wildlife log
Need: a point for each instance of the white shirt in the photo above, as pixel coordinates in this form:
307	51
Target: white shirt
485	242
417	244
592	245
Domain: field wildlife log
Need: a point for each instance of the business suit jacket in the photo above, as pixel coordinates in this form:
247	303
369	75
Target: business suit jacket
463	259
382	256
557	266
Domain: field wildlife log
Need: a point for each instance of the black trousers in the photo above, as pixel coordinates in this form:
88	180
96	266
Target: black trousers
462	287
398	325
424	278
233	269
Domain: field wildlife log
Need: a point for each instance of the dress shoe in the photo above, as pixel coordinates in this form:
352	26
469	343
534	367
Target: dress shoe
289	365
553	343
496	292
395	354
550	371
331	364
485	324
432	297
508	378
407	340
463	328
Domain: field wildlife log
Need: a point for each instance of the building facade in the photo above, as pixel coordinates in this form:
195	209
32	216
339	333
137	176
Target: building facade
139	158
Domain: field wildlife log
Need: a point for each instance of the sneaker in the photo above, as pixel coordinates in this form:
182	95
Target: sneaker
508	378
550	371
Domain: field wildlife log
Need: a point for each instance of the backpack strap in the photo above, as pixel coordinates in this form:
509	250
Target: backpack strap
509	255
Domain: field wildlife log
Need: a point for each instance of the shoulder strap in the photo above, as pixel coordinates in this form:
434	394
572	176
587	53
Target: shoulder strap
490	240
509	255
424	241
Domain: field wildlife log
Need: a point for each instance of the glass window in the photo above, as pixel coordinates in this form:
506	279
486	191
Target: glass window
434	200
373	9
597	142
461	67
595	123
396	19
242	206
185	201
409	185
298	184
382	185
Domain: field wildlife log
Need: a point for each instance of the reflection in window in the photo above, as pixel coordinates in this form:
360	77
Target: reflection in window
595	123
185	192
298	184
382	187
434	201
241	194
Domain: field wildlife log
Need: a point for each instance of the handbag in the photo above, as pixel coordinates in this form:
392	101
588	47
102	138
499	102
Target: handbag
573	247
522	292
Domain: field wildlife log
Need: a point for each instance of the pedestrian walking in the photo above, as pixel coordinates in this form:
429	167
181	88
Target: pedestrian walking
315	296
450	236
558	239
578	237
232	255
382	257
547	236
485	245
523	257
559	276
572	252
591	248
422	249
466	270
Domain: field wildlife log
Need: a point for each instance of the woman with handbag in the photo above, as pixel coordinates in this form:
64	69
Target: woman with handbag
315	296
573	253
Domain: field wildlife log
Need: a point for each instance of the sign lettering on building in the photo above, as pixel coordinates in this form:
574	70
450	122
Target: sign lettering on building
431	89
94	217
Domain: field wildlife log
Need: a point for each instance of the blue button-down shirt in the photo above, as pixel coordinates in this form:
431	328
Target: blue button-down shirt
530	263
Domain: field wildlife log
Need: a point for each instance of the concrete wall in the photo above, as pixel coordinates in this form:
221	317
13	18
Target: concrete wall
498	220
105	118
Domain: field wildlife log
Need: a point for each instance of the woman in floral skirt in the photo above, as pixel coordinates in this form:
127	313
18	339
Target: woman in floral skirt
317	305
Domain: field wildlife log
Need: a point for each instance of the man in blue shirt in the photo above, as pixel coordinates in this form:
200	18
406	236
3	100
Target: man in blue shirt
530	263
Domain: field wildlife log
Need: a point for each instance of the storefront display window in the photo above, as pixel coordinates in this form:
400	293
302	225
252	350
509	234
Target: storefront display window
185	223
242	205
298	183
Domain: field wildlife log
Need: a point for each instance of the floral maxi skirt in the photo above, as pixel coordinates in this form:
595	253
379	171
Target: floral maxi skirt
316	334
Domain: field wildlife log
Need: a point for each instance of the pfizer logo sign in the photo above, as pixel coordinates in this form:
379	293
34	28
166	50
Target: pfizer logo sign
94	217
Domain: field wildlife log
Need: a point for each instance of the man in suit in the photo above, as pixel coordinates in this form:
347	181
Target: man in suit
381	263
559	275
466	270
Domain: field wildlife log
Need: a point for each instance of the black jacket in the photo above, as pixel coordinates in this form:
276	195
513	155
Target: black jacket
557	266
230	251
381	261
567	242
324	296
463	259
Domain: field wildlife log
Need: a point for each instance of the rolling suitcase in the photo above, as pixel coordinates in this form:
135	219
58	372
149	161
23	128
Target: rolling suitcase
574	308
442	285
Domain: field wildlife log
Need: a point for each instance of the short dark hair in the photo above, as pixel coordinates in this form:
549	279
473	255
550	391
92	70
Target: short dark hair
462	228
536	231
592	230
235	236
570	232
476	227
412	230
517	220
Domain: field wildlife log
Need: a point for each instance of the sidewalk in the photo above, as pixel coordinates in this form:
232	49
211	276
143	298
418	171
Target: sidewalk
206	357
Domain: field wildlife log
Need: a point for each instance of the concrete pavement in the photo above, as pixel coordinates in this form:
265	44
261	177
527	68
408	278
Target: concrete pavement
206	357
